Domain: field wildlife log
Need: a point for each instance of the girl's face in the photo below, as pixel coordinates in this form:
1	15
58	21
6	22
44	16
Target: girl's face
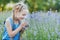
19	14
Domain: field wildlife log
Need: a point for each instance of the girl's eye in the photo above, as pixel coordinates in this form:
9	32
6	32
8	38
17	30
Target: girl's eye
24	14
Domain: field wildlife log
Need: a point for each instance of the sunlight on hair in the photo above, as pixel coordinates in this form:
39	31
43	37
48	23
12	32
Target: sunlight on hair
25	6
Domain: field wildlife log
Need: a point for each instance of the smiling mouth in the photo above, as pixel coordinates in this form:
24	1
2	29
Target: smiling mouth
22	18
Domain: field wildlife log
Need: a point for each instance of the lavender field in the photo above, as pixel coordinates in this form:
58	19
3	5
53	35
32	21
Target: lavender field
42	25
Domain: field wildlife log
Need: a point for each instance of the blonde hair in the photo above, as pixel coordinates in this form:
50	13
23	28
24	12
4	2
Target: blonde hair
22	6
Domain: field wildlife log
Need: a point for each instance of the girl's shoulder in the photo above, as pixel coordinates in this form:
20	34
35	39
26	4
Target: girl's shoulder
9	19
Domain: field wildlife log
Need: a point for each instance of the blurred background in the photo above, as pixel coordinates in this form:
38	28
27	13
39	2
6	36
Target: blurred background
44	18
34	5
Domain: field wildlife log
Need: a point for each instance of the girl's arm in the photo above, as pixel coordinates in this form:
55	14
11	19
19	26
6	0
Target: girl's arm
21	32
10	31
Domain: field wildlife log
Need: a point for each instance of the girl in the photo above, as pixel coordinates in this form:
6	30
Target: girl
13	24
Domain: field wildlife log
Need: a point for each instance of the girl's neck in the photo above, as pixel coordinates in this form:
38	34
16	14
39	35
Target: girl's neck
15	21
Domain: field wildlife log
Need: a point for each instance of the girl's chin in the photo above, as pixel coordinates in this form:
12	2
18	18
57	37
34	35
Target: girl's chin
21	19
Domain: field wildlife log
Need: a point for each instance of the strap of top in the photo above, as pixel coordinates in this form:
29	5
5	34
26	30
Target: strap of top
12	22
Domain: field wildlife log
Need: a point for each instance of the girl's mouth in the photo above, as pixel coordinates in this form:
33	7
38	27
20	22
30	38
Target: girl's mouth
22	18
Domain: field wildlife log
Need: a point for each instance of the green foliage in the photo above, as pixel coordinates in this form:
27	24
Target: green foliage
35	5
4	2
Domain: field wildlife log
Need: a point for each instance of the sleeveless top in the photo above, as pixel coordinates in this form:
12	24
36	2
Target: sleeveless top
14	26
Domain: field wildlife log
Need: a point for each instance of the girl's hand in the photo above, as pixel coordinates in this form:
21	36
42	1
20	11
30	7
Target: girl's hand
23	24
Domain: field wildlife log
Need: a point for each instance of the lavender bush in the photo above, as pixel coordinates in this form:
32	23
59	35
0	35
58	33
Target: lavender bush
42	26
